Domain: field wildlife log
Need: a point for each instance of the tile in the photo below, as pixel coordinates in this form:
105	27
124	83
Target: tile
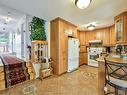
83	81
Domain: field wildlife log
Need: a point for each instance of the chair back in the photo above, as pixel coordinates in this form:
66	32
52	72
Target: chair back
115	70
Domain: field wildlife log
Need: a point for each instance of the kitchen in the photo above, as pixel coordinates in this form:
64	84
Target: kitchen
114	50
81	40
93	44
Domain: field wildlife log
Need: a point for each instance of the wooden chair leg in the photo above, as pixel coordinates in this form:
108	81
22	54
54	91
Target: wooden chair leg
116	91
125	92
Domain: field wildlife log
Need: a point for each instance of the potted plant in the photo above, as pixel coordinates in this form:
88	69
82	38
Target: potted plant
37	29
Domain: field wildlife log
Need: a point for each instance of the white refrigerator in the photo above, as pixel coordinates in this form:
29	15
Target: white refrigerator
73	54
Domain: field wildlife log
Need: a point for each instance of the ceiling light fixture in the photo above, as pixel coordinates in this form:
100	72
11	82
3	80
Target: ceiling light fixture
82	4
7	18
91	27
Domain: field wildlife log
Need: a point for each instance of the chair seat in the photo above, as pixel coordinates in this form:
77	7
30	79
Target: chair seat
118	82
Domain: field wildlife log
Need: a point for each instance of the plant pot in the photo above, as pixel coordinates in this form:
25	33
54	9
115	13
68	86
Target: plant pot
37	68
45	65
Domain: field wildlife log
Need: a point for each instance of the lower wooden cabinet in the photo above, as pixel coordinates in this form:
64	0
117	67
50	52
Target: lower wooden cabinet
82	58
83	48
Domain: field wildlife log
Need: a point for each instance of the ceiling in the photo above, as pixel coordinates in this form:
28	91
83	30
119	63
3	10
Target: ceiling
100	12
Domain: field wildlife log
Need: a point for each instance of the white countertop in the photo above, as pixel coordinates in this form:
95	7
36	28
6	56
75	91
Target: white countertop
1	63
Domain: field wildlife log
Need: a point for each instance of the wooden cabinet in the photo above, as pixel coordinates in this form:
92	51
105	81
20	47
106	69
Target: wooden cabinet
112	35
83	48
99	34
83	55
59	44
82	38
90	35
82	58
121	27
83	51
63	47
102	34
105	37
74	30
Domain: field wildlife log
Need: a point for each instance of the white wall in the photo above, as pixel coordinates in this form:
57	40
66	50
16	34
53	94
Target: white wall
48	36
26	20
18	45
21	39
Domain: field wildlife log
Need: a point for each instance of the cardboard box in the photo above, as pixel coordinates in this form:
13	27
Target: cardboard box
45	73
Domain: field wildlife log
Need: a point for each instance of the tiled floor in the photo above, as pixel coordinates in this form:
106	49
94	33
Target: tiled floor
83	81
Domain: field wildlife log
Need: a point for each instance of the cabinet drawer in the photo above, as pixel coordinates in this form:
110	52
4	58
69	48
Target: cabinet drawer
83	49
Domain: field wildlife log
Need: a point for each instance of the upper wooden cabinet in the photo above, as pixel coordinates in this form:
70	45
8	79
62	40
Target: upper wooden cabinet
90	35
112	35
106	36
82	37
74	30
99	34
121	27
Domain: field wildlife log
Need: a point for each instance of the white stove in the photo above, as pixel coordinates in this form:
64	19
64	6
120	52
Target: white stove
93	54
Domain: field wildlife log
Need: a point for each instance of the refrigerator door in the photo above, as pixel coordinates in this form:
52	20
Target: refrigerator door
73	54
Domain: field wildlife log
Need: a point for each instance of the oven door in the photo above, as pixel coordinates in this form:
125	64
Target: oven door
92	56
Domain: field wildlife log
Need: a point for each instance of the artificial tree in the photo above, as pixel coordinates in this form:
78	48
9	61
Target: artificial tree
37	29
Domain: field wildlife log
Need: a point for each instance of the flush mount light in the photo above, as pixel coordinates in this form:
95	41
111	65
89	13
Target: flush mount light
7	18
82	4
91	27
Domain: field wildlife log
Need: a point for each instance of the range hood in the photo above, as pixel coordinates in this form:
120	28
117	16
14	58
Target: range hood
95	41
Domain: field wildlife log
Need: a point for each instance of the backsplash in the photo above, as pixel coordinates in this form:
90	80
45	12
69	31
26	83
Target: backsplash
113	50
125	48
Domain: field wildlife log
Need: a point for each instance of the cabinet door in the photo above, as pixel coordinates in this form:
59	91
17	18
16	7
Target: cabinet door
73	29
54	43
125	29
112	35
75	34
82	38
119	29
99	34
106	35
87	37
83	48
82	58
63	50
90	35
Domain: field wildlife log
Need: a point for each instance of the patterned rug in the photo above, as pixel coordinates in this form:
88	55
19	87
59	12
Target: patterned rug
15	70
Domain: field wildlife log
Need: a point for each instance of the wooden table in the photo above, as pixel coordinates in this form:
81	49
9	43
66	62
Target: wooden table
101	71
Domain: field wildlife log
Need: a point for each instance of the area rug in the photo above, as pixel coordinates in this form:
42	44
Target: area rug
15	70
